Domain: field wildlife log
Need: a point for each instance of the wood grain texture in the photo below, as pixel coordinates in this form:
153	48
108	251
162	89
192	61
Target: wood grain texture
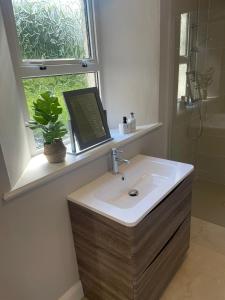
154	280
122	263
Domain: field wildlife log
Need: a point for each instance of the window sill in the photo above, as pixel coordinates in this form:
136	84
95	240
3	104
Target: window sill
39	171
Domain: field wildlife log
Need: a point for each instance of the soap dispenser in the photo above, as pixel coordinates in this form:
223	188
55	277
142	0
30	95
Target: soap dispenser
124	127
132	122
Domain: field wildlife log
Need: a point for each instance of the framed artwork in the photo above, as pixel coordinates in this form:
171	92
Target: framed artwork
88	118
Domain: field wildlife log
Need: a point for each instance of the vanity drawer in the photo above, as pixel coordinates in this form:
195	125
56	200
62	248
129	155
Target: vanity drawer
150	236
97	230
108	274
151	284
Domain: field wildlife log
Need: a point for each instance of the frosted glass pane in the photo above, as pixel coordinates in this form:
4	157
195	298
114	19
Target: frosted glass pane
183	34
52	29
182	81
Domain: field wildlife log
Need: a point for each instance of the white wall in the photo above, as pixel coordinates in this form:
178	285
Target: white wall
130	56
13	137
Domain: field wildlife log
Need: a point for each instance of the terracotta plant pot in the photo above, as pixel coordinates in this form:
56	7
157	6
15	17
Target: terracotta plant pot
55	152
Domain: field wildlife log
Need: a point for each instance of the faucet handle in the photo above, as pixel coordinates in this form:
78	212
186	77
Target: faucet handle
116	151
119	151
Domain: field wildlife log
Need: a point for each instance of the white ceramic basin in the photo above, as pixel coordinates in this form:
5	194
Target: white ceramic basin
153	178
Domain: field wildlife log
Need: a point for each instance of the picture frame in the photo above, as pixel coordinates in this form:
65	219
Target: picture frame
88	118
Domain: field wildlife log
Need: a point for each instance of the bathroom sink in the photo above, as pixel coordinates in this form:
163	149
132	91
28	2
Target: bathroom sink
128	197
136	177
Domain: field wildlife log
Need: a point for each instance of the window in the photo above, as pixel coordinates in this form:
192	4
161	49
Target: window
56	48
188	56
52	29
182	86
183	55
33	87
184	34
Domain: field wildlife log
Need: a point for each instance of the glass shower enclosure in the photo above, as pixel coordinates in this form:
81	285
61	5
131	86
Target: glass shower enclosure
198	135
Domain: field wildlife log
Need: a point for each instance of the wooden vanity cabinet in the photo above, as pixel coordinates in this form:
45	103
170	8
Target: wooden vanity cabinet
132	263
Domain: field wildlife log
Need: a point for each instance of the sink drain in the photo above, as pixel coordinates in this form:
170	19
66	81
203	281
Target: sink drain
133	193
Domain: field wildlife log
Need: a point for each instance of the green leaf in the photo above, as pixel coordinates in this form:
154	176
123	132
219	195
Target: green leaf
41	120
46	117
56	109
46	95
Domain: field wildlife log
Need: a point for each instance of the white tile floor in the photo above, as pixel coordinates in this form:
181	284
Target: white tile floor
202	275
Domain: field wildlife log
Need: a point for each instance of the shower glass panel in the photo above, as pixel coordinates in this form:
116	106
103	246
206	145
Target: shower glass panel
198	135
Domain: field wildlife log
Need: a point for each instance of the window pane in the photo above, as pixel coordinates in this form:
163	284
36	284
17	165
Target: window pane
52	29
57	85
183	34
182	81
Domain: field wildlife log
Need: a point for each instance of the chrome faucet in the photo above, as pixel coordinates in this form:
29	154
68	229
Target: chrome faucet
116	160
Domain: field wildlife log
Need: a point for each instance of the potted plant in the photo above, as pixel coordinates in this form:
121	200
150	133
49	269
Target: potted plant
46	118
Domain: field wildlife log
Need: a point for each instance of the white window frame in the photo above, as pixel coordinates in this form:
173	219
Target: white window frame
31	69
184	59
